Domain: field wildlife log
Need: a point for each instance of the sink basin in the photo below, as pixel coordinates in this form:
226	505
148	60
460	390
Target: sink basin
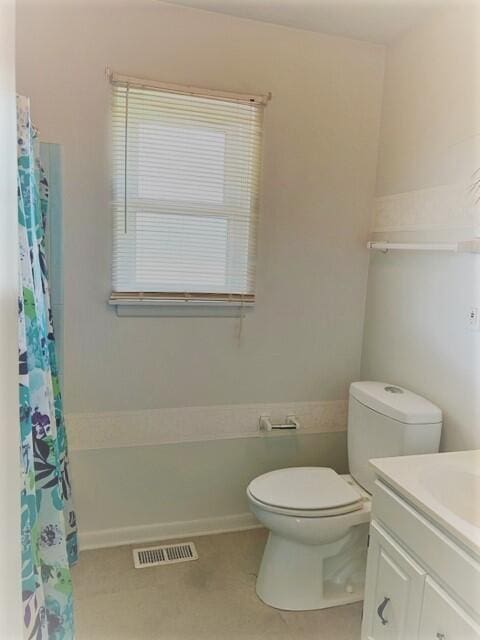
456	489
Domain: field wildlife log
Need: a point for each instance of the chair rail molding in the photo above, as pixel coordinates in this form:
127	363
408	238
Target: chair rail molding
442	208
114	429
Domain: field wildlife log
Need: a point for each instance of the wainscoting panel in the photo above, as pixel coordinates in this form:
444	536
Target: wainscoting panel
134	494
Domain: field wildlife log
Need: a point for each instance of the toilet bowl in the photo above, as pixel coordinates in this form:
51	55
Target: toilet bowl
315	555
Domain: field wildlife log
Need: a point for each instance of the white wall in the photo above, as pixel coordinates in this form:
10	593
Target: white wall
190	487
431	117
303	341
416	330
10	567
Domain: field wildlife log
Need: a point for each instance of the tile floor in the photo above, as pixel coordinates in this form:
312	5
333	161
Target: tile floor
212	598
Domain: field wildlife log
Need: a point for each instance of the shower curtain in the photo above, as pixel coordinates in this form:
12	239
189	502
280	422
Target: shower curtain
48	527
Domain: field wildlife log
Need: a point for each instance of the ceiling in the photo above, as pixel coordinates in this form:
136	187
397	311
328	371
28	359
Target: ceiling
380	21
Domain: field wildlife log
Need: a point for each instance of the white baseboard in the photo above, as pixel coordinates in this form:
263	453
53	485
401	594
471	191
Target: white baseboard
165	530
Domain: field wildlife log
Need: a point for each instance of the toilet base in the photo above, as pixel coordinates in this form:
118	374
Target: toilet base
301	577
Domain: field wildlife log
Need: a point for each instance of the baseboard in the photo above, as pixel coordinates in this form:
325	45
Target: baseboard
165	530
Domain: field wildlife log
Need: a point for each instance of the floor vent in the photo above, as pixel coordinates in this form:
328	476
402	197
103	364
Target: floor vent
165	554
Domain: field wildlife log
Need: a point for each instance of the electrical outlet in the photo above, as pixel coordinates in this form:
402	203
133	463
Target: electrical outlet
474	319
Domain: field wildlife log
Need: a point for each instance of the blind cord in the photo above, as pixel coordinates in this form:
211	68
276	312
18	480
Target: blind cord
125	204
240	324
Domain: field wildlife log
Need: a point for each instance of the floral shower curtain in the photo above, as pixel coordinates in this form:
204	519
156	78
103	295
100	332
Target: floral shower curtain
48	528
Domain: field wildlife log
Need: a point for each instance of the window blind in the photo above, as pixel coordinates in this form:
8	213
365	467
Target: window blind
186	170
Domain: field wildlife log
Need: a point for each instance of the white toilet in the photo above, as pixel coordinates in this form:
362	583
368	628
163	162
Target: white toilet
315	555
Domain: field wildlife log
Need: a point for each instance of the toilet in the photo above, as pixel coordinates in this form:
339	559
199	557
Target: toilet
315	555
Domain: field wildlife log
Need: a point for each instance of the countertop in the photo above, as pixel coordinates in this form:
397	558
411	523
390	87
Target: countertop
444	486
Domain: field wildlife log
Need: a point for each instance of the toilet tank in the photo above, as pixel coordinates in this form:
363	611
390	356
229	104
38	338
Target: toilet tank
386	420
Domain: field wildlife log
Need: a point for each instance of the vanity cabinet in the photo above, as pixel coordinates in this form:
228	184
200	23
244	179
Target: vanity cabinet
411	570
442	618
394	589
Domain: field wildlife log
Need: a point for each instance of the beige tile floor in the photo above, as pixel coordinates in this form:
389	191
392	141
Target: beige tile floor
212	598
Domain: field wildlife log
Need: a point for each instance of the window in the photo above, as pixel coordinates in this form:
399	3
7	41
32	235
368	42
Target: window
186	167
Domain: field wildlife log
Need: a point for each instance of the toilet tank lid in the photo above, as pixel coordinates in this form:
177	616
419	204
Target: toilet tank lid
396	402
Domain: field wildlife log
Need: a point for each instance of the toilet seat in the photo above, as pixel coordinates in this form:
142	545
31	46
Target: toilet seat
312	492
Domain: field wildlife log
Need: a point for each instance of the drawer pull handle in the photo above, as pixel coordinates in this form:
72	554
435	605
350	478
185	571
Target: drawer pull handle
441	636
381	609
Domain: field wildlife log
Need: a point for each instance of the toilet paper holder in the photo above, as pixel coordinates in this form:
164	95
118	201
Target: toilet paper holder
291	424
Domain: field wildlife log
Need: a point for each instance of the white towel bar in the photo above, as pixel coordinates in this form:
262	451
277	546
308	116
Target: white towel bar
467	246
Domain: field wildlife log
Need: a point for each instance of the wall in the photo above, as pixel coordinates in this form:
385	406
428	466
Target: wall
303	340
299	344
174	490
416	329
10	566
147	475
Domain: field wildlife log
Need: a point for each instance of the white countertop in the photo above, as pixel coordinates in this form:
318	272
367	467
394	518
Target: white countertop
445	486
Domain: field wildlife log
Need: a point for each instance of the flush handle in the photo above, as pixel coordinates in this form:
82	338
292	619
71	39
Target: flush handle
381	609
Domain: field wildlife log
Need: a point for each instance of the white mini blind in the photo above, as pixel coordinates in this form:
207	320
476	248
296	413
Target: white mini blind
186	170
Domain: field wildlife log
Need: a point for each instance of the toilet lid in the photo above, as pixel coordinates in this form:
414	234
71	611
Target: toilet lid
304	488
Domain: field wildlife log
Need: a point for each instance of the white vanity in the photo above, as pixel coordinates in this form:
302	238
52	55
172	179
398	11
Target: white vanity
423	571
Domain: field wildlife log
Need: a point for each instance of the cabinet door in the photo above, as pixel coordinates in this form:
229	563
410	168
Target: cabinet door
443	619
393	590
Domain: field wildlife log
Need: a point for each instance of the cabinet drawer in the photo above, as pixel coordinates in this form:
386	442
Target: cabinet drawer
393	590
442	618
434	549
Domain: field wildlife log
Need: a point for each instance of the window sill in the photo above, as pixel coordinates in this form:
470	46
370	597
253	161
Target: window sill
183	309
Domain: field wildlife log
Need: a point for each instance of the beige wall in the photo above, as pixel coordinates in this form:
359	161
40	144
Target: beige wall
416	329
10	566
303	341
431	117
174	489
